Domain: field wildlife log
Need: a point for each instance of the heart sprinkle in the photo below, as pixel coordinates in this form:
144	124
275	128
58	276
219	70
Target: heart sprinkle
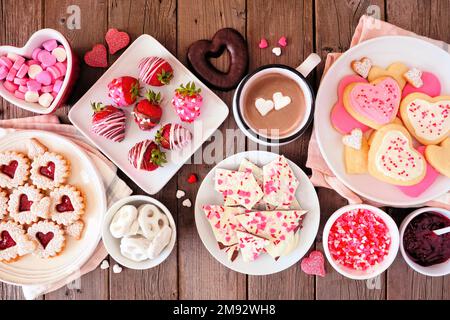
104	265
276	51
362	66
192	178
263	106
282	41
97	57
180	194
187	203
117	268
354	139
414	77
314	264
263	44
280	101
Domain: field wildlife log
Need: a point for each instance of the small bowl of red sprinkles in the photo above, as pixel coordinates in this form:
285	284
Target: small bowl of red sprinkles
360	241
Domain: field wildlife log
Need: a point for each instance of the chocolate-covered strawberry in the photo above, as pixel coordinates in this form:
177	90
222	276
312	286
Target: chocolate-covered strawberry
108	121
146	155
155	71
173	136
187	102
124	91
147	112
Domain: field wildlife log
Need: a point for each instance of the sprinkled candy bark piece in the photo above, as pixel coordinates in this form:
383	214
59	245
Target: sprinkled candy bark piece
359	240
224	223
251	246
280	183
239	186
232	252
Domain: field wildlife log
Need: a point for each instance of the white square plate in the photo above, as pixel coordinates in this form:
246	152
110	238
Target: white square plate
213	112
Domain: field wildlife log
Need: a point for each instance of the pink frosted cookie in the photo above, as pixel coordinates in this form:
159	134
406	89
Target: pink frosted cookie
430	176
49	238
20	204
251	246
75	230
14	169
341	120
3	204
67	205
431	86
49	170
14	243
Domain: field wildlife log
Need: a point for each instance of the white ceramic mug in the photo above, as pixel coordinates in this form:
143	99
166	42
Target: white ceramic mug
299	75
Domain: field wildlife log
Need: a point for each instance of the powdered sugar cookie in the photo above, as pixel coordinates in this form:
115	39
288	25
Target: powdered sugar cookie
49	170
67	205
75	230
14	169
49	238
14	243
21	201
36	148
3	204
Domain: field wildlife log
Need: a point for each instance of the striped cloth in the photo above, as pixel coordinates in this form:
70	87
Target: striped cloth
322	176
115	188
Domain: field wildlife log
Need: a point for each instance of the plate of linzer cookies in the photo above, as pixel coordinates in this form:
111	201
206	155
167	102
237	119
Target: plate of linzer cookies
51	204
257	213
383	120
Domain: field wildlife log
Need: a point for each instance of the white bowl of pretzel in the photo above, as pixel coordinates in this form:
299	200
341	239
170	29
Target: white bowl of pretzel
139	232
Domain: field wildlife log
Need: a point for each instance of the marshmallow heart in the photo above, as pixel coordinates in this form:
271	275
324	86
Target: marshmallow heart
276	51
117	268
158	244
280	101
123	222
104	265
354	139
134	248
180	194
264	106
362	66
151	220
187	203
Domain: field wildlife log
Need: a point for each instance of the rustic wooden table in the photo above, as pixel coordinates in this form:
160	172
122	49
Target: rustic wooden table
320	26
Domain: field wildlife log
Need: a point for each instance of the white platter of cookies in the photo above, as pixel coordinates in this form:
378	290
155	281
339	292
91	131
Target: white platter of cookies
52	202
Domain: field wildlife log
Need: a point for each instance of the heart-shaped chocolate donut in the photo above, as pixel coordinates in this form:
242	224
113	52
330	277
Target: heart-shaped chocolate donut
201	51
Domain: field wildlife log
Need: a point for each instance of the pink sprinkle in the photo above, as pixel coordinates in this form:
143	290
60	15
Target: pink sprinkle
282	41
263	43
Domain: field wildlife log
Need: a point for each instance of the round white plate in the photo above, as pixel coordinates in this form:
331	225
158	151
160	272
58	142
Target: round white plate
265	264
33	270
382	51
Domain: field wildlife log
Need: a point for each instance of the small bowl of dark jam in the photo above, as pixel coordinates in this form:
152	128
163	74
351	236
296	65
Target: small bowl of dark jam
423	250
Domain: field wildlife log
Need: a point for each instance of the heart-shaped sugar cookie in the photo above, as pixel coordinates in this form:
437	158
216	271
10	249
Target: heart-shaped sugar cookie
354	139
393	159
97	57
439	157
264	106
427	118
314	264
116	40
280	101
374	104
362	66
395	71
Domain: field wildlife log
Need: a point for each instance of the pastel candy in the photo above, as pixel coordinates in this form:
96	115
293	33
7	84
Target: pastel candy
45	100
33	85
431	86
47	89
19	62
46	58
23	89
12	56
61	67
19	94
49	45
11	74
21	82
54	71
11	87
31	96
35	53
54	95
417	189
57	86
22	71
3	72
34	70
6	62
31	62
44	78
60	54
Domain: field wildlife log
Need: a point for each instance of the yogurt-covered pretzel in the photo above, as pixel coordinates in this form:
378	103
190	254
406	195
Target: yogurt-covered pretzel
134	248
151	220
124	222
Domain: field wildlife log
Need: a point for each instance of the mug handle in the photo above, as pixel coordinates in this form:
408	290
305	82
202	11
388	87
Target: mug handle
309	64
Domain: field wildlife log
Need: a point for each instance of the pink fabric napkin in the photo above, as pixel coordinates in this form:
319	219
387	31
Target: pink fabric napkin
115	188
322	176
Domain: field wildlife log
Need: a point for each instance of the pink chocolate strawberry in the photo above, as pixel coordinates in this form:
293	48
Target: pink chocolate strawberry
155	71
187	102
147	112
124	90
173	136
109	122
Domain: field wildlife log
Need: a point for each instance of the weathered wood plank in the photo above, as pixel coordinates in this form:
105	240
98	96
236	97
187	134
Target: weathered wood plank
157	18
271	20
200	275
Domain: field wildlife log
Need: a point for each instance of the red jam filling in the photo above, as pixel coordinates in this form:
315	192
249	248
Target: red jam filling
6	241
9	169
48	171
44	238
24	203
422	245
65	205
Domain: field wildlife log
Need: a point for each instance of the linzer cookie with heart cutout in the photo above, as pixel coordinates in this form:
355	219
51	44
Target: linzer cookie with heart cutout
14	242
21	202
200	52
49	170
14	169
49	238
67	205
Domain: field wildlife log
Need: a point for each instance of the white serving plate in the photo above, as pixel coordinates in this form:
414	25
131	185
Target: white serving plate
214	111
265	264
33	270
382	51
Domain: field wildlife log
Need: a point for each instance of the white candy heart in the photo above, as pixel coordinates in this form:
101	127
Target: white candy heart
117	268
263	106
280	101
354	139
187	203
104	265
276	51
180	194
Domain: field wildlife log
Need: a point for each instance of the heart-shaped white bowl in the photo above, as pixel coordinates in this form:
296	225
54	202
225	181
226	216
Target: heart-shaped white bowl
35	41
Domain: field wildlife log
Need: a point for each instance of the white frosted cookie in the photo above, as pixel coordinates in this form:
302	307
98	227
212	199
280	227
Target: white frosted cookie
49	170
14	242
49	238
75	230
14	169
67	205
21	202
3	204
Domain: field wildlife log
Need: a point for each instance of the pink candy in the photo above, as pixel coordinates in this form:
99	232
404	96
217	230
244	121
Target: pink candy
20	82
11	87
46	58
35	53
11	74
49	45
57	86
54	71
6	62
18	63
33	85
23	88
22	71
44	78
47	89
3	72
31	62
19	95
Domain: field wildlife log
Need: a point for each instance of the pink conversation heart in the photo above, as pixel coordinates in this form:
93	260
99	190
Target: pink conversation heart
314	264
282	41
431	86
263	44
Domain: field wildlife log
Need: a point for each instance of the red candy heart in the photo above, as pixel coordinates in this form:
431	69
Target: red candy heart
24	203
314	264
9	169
192	178
65	205
44	238
48	171
116	40
97	57
6	241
